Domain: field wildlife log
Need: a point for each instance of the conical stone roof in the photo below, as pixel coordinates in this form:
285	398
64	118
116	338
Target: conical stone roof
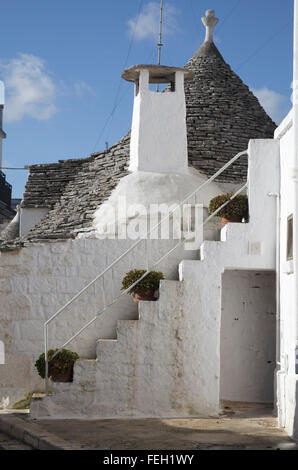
222	115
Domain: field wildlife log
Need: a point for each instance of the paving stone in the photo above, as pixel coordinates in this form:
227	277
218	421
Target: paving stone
242	426
9	443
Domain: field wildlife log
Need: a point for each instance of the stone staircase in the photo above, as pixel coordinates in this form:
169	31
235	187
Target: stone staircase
167	363
141	374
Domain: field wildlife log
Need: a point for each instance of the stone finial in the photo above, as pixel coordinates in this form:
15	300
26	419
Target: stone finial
210	22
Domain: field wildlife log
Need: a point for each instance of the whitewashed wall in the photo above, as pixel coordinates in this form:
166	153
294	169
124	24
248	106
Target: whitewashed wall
250	246
286	378
196	307
158	136
247	343
36	281
151	371
30	217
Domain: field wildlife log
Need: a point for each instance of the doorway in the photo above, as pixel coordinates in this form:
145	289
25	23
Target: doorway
248	336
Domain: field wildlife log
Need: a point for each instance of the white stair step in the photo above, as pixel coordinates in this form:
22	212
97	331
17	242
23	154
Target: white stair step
84	372
105	347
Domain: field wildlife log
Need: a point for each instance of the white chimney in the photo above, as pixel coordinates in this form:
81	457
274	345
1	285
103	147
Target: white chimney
2	133
158	136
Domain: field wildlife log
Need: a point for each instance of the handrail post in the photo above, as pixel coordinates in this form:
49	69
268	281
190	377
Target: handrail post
46	358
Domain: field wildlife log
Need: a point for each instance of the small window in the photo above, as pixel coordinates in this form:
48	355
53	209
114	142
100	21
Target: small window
290	238
162	87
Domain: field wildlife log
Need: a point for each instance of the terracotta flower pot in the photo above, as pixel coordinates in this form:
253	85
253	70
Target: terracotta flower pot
65	376
146	295
225	221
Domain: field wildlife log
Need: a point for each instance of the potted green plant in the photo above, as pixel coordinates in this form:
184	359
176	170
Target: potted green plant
60	366
235	211
145	289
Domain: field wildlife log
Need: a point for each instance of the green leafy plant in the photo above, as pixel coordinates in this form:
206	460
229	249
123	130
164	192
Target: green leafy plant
57	365
151	281
238	207
24	403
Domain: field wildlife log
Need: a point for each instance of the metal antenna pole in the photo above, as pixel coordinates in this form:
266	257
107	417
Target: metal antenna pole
160	32
159	45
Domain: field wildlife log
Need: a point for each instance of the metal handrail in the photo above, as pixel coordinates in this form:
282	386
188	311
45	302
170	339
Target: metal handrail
167	217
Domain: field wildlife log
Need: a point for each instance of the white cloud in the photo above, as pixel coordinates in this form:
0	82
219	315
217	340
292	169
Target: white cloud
275	104
30	91
81	87
146	24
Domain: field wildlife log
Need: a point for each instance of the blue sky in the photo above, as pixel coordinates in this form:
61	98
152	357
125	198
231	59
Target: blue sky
61	61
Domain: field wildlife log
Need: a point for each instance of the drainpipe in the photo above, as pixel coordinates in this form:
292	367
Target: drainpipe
277	268
295	176
278	402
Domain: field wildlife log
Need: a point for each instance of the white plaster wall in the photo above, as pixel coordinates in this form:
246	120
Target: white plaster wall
247	345
141	191
30	217
167	364
150	371
248	246
158	136
286	380
285	134
39	279
36	281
